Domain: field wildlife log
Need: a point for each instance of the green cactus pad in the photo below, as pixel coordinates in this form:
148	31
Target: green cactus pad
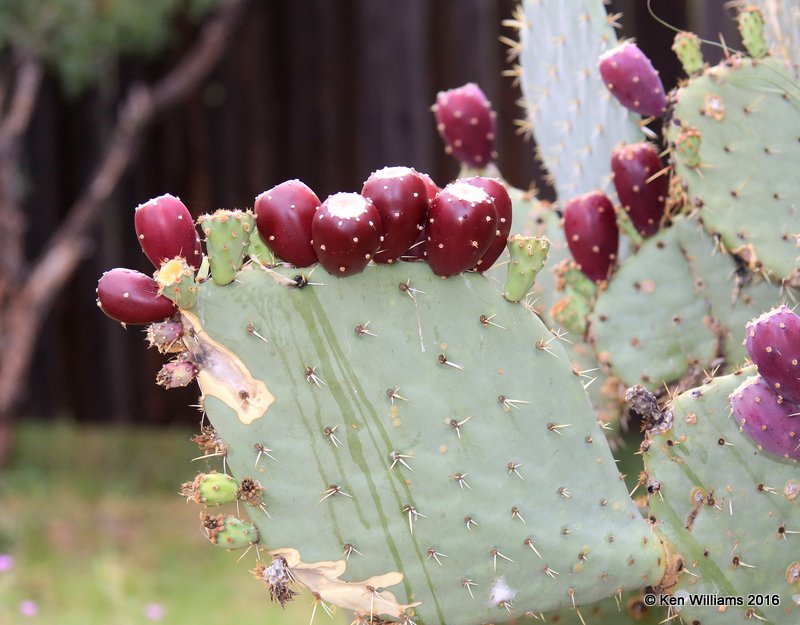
227	235
626	608
738	165
751	27
675	308
570	113
211	489
635	325
258	250
527	256
453	465
721	504
176	281
686	47
228	532
540	219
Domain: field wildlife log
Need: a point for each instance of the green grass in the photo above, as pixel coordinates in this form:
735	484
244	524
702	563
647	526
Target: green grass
97	531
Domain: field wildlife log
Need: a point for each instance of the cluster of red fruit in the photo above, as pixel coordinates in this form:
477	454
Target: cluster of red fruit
399	215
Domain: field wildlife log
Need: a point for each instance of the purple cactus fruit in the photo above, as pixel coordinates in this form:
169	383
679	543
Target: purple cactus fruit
401	198
633	165
773	344
590	226
283	218
176	374
466	123
131	297
462	224
630	77
502	202
165	230
769	421
346	233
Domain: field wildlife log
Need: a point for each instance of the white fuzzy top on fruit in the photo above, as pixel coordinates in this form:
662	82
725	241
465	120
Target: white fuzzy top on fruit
392	172
501	592
154	201
346	205
766	316
466	192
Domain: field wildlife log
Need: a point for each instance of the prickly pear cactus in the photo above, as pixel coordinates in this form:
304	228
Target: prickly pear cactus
417	451
570	113
672	308
728	509
738	177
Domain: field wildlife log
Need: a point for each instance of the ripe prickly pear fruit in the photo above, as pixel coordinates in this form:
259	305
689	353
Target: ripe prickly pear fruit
417	250
165	336
211	489
346	233
502	202
466	122
131	297
462	224
773	344
176	374
430	186
165	229
765	418
228	532
630	77
283	218
633	165
590	226
401	198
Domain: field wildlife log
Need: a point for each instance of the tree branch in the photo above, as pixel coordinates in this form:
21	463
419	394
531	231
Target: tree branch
68	245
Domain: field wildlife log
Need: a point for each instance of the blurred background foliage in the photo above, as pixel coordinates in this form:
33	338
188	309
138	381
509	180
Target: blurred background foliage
83	40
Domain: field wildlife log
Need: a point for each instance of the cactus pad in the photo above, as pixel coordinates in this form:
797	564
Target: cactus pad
729	510
570	113
426	458
739	172
673	307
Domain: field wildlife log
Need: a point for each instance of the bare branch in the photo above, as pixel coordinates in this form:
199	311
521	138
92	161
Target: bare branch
23	100
66	248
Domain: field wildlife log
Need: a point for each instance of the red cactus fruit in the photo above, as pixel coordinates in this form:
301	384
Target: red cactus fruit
630	77
401	198
165	229
417	251
346	233
502	202
466	123
283	218
773	344
644	201
590	226
462	224
430	186
131	297
769	421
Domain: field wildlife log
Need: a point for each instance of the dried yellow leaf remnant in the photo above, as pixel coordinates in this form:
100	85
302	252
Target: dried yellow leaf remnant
224	376
364	597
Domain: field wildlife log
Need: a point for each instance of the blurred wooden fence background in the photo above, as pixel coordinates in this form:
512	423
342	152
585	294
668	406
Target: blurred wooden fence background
322	90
